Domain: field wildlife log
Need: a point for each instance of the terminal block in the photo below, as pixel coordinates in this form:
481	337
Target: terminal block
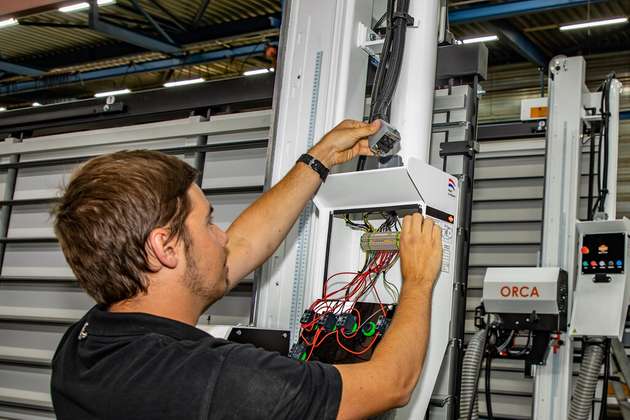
380	241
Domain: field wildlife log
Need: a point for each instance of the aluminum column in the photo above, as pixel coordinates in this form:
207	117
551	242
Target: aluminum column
412	105
552	384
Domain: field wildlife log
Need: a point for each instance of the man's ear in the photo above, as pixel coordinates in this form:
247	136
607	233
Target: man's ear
162	251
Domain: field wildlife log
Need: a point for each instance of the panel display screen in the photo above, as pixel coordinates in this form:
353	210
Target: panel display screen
603	253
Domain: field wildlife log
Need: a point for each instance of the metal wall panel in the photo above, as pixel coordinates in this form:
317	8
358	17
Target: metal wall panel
39	296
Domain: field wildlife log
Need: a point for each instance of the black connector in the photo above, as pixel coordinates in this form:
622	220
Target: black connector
348	323
382	323
298	351
307	316
328	322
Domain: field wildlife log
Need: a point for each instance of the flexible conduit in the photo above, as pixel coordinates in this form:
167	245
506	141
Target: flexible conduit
587	380
471	367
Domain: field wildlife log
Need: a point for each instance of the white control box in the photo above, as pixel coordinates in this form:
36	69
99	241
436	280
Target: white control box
523	290
602	295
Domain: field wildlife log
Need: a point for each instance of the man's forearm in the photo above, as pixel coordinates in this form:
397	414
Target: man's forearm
259	230
404	346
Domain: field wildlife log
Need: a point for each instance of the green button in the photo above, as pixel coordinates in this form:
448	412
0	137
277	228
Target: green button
371	329
303	356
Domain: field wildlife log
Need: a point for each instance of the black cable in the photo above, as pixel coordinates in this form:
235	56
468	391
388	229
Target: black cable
487	385
388	70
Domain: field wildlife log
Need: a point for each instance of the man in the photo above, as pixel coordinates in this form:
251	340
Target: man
138	234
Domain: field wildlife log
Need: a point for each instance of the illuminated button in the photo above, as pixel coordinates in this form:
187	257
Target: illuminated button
619	263
585	263
593	264
584	250
602	264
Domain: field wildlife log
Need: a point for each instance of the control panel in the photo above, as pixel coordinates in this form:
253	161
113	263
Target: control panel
602	295
603	253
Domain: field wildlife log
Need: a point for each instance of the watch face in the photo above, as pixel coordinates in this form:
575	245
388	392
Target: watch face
603	253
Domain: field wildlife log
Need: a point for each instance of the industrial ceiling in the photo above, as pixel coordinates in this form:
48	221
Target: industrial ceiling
53	56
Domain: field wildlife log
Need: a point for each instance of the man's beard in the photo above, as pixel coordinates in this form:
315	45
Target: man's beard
210	292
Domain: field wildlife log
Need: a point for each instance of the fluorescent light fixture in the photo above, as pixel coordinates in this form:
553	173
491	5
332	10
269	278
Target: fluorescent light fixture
184	82
486	38
84	5
255	72
36	104
8	22
2	108
593	23
112	93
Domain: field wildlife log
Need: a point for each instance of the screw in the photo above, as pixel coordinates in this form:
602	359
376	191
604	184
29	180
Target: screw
239	332
285	335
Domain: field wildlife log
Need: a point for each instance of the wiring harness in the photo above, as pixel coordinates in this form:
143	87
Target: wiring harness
388	70
339	325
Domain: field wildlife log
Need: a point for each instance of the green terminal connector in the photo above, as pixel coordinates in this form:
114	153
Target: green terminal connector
370	331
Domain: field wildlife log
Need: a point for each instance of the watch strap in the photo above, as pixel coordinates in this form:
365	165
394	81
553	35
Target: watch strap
315	165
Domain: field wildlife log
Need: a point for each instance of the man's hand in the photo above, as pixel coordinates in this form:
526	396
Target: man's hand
420	251
344	142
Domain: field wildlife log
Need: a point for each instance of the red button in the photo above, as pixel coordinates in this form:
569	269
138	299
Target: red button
584	250
593	264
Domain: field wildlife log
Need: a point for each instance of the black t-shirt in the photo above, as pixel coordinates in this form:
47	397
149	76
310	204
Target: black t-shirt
137	366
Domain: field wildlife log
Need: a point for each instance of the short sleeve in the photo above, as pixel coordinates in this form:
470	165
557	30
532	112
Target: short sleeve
257	384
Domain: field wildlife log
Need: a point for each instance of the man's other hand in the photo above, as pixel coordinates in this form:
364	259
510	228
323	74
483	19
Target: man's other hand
344	142
420	251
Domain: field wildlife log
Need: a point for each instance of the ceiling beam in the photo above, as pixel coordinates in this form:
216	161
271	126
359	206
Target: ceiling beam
147	66
20	69
513	8
128	36
526	48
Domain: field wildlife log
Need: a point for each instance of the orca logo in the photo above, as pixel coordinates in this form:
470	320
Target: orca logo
519	292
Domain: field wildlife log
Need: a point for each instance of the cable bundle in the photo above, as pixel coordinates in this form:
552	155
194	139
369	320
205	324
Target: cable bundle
603	146
335	315
389	66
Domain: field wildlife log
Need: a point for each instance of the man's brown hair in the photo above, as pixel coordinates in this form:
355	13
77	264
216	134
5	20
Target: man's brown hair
107	211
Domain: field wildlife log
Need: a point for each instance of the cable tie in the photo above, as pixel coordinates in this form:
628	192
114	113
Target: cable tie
405	16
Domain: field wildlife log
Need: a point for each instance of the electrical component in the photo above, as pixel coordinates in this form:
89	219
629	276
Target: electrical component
339	327
382	324
328	322
298	351
307	316
380	241
348	323
384	141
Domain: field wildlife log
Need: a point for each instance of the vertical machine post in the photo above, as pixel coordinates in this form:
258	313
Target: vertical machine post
552	384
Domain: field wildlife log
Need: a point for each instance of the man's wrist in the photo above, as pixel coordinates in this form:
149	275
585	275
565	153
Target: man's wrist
325	157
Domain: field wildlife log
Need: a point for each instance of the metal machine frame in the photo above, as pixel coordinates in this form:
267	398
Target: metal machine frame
568	98
321	80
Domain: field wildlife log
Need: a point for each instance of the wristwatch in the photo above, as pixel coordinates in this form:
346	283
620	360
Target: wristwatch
315	165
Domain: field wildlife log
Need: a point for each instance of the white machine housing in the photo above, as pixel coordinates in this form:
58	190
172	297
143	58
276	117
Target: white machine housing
600	307
415	185
521	290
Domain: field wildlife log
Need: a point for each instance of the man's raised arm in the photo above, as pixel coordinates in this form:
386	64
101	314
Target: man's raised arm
259	230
